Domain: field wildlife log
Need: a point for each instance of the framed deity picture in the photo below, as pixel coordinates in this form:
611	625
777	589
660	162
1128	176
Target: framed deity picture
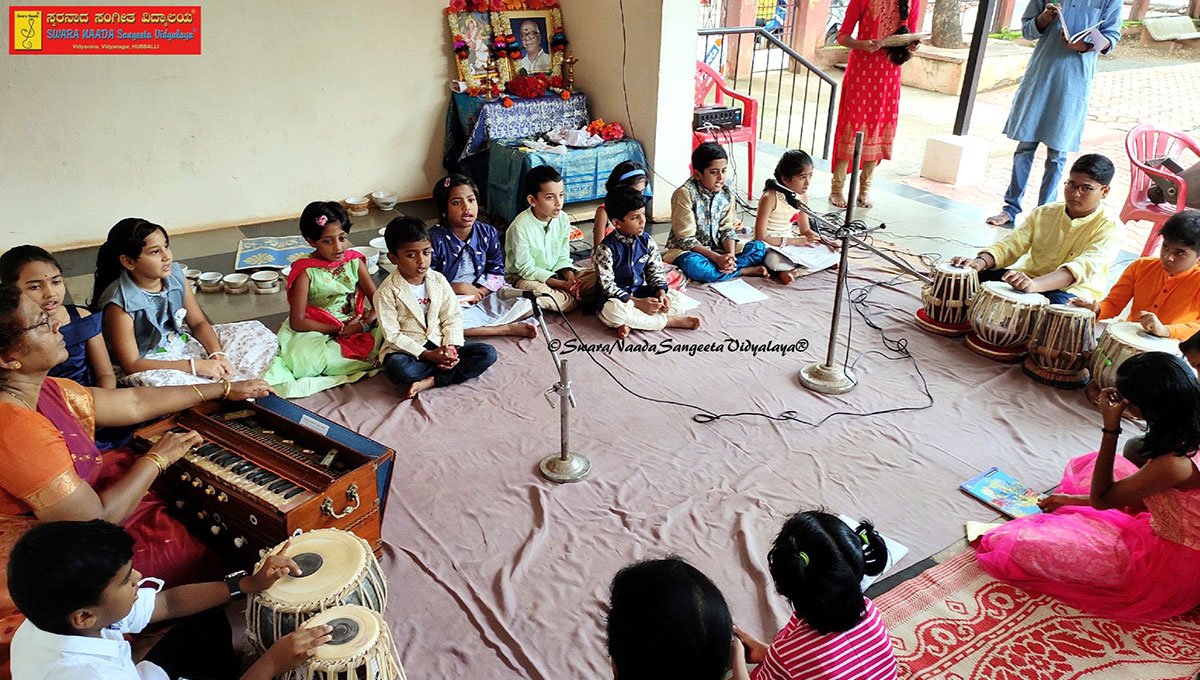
530	36
471	33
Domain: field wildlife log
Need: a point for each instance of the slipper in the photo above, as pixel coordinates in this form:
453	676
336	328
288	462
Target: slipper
1001	220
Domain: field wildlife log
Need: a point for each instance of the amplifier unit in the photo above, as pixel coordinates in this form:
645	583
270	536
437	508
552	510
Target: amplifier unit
717	116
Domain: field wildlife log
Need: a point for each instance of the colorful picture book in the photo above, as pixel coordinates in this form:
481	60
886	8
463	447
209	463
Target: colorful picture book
1004	493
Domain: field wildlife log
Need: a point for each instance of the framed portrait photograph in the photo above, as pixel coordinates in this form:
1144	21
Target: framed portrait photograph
530	34
472	36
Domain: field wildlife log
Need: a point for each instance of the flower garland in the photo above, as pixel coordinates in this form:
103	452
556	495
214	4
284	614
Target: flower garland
457	6
536	85
606	131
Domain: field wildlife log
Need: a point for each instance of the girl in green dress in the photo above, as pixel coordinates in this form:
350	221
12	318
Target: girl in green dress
330	336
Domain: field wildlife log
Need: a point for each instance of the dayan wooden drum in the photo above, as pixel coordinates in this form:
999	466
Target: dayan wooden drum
1120	341
1061	346
1002	320
946	298
339	568
360	648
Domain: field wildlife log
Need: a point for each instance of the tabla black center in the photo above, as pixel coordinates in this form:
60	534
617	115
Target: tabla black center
344	630
309	563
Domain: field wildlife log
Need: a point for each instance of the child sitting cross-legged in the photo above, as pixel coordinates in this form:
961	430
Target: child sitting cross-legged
469	254
76	585
835	633
630	271
1066	246
703	218
329	337
537	246
420	318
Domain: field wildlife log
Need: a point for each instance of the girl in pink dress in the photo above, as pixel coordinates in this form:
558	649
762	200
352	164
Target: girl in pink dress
1115	540
870	89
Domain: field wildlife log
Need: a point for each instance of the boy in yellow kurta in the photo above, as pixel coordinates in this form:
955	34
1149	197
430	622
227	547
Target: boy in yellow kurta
1069	244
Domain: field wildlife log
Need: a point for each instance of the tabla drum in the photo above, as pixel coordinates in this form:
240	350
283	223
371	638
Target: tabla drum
1002	320
338	568
1121	340
945	300
360	648
1061	346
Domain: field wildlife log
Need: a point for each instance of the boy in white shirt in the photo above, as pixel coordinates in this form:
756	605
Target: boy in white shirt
76	585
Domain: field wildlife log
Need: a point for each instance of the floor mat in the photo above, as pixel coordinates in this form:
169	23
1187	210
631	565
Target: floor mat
270	252
956	622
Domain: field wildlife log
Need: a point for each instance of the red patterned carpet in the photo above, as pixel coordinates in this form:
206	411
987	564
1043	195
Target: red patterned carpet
954	622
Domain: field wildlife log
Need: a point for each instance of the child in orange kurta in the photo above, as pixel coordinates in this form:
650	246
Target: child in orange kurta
1166	289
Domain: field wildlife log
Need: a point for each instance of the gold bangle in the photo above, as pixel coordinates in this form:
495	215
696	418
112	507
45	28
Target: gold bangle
159	462
228	386
202	397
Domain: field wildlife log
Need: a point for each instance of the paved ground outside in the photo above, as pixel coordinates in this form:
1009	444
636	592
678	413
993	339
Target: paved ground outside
1121	99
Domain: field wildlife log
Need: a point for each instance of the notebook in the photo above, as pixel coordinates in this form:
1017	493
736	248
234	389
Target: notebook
738	291
1004	493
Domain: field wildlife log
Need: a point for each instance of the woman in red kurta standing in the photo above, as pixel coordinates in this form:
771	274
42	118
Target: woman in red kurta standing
870	89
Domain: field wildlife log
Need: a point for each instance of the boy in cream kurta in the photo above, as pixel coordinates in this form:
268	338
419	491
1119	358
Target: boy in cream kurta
420	319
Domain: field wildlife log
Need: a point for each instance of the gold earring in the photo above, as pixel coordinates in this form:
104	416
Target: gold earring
16	365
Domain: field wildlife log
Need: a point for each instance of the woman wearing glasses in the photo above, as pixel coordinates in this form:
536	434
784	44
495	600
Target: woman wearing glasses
1069	243
50	468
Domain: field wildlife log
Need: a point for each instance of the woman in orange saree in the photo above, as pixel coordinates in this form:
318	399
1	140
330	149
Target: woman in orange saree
50	468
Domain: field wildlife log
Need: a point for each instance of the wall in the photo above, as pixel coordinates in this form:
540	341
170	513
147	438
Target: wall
654	90
290	103
286	104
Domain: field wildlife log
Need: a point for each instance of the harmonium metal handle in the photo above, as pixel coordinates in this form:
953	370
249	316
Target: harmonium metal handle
351	495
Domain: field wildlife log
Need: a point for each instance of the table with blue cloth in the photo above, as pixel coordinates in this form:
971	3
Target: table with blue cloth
471	122
584	172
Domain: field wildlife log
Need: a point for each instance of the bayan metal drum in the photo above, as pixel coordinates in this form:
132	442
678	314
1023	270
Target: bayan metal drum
1061	345
946	298
338	568
1002	319
360	648
1121	340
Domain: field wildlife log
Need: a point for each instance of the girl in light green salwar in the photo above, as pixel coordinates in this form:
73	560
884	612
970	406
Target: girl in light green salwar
329	337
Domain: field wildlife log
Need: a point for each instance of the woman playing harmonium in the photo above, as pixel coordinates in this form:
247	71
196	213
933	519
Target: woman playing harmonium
50	468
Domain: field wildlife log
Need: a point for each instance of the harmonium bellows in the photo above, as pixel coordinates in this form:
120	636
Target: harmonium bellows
267	469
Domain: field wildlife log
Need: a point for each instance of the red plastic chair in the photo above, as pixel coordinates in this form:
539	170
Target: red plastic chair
1143	143
708	80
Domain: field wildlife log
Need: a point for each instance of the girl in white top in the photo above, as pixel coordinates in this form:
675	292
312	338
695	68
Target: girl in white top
779	220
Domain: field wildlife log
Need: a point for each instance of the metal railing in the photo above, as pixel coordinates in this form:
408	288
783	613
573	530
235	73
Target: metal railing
781	80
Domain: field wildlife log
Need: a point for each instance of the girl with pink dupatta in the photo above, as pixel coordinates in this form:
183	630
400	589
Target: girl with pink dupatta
1116	540
329	338
50	468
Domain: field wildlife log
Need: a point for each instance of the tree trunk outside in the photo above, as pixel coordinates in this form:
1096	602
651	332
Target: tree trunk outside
947	24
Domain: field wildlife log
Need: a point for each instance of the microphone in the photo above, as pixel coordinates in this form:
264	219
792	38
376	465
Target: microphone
514	293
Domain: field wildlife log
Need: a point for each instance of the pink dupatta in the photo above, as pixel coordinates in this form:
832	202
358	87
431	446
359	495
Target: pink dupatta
357	346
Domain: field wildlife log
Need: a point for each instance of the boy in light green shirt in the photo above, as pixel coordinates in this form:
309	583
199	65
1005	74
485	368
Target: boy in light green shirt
537	246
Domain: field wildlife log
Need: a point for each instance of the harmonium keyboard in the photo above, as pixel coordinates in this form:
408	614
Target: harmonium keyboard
269	468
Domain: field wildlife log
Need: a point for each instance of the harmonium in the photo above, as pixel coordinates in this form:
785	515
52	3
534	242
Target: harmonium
268	469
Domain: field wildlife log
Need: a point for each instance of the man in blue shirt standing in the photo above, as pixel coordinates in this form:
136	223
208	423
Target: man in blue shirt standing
1051	103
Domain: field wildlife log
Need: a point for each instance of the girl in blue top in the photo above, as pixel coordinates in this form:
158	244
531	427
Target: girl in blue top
156	332
40	277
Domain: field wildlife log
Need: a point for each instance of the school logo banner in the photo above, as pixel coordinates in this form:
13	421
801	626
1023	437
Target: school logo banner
104	30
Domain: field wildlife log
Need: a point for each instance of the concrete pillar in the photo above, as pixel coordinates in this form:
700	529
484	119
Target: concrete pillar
808	27
739	51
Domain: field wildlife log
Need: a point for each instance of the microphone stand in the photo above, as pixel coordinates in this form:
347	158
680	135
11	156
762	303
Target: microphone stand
564	466
828	378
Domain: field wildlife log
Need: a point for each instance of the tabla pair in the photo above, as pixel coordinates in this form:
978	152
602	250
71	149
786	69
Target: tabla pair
1057	342
342	586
